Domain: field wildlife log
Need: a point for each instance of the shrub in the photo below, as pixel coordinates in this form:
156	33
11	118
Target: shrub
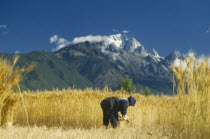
147	91
126	85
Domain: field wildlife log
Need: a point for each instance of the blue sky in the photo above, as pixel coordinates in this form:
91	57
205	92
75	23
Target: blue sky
27	25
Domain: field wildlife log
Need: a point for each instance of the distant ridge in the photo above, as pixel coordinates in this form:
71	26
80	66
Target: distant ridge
97	64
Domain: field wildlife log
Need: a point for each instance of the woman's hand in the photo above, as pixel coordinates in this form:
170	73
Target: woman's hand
125	117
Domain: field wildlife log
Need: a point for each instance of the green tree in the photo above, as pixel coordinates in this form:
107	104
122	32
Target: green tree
147	91
126	85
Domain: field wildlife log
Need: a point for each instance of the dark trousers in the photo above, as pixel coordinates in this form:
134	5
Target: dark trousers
109	112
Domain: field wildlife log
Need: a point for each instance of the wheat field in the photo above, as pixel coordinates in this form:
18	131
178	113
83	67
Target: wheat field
77	113
72	113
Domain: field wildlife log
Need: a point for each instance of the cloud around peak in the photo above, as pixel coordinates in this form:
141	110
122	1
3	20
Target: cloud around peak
61	42
118	40
89	38
53	39
125	31
17	52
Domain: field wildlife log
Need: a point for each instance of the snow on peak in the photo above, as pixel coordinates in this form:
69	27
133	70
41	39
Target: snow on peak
155	54
174	55
114	40
141	51
110	44
121	41
118	40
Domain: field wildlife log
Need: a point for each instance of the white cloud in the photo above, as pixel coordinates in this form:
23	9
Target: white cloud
184	64
208	30
3	26
53	38
59	47
106	40
17	52
125	31
60	42
89	38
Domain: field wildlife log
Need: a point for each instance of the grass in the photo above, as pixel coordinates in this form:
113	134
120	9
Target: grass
80	110
192	83
72	113
79	133
9	77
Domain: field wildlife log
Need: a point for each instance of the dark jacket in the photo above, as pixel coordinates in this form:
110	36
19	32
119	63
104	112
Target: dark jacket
122	105
114	105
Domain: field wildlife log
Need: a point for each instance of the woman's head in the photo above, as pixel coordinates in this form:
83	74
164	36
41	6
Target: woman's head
132	101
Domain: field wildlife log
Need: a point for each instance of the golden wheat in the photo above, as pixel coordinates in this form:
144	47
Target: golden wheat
9	77
81	109
192	81
75	113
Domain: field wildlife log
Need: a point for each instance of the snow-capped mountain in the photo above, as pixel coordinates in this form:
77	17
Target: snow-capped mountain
116	46
105	59
98	61
130	45
172	57
121	49
120	42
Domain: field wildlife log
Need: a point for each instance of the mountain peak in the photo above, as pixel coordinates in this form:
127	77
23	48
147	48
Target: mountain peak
172	57
154	52
141	51
118	40
115	45
175	54
122	41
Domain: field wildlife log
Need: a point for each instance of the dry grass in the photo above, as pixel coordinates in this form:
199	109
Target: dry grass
77	114
9	77
80	110
76	110
93	133
192	83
